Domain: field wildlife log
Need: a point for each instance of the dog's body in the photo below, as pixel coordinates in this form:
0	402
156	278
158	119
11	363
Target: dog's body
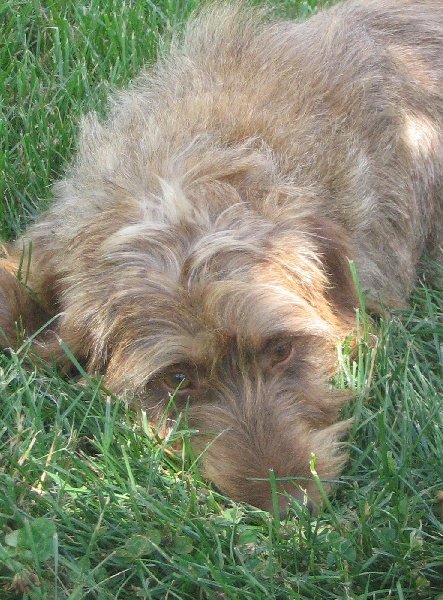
202	237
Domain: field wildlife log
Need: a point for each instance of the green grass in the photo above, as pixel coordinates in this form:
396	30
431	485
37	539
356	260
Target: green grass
91	506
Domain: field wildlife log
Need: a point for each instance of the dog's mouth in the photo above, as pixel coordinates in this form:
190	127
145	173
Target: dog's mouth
279	499
271	493
276	494
268	459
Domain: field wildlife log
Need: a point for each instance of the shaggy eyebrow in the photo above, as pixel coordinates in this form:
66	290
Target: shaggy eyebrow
261	311
147	357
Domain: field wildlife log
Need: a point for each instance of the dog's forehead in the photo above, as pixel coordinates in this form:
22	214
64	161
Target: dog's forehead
192	291
251	290
206	316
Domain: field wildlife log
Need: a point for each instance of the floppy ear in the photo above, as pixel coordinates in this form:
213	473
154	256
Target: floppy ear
335	248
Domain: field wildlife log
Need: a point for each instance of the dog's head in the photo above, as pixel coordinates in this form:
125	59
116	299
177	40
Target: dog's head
238	314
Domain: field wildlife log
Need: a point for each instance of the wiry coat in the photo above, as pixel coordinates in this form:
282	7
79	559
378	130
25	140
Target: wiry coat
203	232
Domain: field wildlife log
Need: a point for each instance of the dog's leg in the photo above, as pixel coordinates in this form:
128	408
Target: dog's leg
20	314
23	304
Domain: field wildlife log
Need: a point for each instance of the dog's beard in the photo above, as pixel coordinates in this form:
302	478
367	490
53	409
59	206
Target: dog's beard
256	411
258	427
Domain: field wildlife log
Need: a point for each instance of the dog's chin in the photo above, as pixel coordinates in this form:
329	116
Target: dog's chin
266	462
277	495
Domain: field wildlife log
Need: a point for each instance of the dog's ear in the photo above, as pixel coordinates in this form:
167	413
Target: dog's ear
335	249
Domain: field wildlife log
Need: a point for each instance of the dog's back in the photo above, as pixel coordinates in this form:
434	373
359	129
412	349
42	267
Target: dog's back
345	109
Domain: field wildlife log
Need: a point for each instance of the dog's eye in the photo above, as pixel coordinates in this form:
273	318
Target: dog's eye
281	351
177	380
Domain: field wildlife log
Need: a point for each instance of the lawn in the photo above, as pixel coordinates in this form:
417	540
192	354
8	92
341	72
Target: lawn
91	506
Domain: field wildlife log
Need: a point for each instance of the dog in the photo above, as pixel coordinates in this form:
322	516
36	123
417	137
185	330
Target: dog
199	244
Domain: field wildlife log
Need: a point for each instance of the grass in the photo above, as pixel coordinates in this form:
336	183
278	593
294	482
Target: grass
90	505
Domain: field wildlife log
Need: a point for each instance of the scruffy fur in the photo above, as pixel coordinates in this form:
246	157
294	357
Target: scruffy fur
203	233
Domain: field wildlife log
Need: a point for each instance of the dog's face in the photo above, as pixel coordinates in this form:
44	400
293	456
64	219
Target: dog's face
237	317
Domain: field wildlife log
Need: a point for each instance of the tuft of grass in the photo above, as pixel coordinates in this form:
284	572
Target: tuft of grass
91	504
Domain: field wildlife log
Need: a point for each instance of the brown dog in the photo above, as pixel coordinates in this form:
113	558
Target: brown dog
203	234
